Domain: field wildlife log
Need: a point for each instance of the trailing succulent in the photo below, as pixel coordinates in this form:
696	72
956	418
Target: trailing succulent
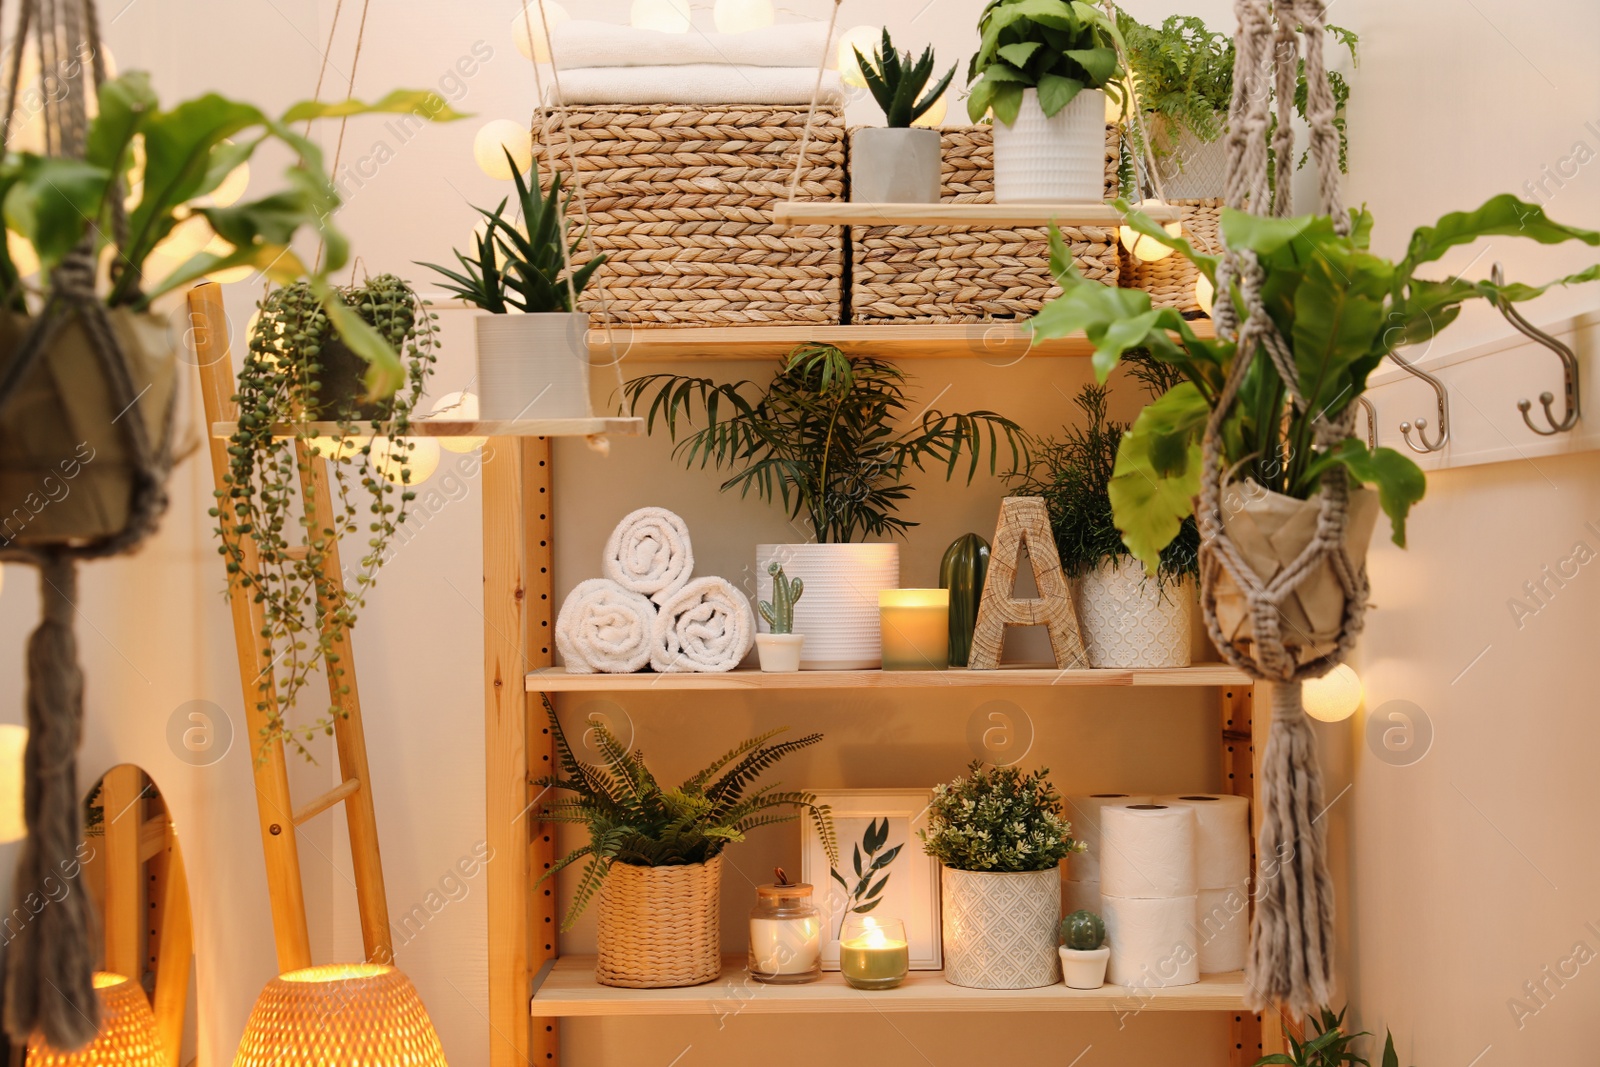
998	820
897	83
779	611
1059	47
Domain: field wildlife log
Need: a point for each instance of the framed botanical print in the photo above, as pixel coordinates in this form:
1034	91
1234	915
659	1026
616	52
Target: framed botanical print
882	869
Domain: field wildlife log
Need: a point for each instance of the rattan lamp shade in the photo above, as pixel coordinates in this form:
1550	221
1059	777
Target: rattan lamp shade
348	1015
127	1032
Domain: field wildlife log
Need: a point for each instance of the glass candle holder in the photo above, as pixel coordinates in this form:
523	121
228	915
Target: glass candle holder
785	935
873	953
916	629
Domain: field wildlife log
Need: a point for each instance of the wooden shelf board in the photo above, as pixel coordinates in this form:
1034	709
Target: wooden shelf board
841	213
557	680
569	990
470	428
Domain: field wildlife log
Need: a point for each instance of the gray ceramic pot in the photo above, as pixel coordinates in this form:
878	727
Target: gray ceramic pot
899	166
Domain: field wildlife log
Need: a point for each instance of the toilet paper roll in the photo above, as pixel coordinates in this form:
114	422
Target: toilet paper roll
1148	851
1084	814
1152	942
1080	896
1221	837
1222	928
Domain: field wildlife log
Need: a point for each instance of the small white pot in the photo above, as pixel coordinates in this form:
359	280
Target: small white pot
533	366
1059	160
1128	621
1084	968
780	653
838	610
895	166
1000	928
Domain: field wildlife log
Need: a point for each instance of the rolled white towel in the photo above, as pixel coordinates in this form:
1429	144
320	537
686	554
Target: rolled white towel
605	628
699	83
707	626
649	553
587	43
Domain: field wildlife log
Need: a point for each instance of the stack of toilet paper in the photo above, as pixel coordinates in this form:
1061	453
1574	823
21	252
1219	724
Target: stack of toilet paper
1080	888
1222	877
1149	894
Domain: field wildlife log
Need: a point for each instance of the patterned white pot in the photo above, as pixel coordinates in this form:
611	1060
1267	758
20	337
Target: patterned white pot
1000	929
533	366
1193	169
1129	621
1057	160
838	609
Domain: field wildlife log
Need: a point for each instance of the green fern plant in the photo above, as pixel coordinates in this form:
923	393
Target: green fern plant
897	83
632	819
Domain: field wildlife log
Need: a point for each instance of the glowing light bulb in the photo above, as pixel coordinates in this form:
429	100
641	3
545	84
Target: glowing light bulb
421	459
462	406
1148	249
13	740
1113	110
232	188
1205	293
554	14
866	38
665	16
741	16
934	116
218	247
1335	696
23	257
491	143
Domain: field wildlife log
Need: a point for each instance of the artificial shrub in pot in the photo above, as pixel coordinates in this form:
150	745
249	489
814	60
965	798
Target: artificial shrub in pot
897	164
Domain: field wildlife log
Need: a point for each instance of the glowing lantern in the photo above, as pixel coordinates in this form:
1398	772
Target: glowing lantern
1335	696
554	14
1148	249
491	143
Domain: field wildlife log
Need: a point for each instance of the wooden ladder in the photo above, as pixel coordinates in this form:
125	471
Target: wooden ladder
279	817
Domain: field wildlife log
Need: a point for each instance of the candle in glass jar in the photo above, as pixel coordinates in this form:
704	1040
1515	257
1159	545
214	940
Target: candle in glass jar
785	935
873	953
916	629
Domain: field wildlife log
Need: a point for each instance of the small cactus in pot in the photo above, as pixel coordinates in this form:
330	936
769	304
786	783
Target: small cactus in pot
1083	931
780	649
1084	953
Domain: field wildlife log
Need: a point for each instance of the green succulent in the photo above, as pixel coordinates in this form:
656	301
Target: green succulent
1083	931
897	83
779	611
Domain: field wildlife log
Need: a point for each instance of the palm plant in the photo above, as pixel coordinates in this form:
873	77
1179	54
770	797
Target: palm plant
633	820
822	439
897	83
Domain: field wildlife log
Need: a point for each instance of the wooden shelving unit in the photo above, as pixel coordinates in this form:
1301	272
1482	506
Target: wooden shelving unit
421	427
840	213
557	680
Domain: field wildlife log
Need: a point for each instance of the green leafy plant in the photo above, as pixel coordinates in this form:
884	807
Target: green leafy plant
897	82
1059	47
1340	309
1330	1047
870	860
779	611
633	820
998	820
522	268
1083	931
821	438
293	358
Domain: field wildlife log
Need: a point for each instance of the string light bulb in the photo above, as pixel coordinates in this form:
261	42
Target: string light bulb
554	14
490	144
13	743
664	16
742	16
934	116
1144	248
866	38
1205	293
463	406
391	464
1334	697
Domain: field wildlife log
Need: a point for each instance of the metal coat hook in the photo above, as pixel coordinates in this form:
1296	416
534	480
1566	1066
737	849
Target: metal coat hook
1569	369
1422	444
1372	422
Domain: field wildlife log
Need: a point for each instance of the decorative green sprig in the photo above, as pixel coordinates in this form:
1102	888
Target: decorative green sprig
998	820
779	611
897	83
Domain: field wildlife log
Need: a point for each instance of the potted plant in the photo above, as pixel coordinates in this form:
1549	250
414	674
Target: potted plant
999	835
1127	619
962	569
780	646
821	438
1083	950
1329	1047
533	349
655	855
898	164
1044	68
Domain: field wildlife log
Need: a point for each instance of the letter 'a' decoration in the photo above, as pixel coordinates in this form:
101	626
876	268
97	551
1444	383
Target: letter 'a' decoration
1024	521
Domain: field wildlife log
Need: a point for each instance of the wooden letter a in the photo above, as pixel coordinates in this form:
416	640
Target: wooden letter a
1023	520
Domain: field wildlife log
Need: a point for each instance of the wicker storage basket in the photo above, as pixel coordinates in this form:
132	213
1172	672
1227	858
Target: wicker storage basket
953	274
680	200
660	926
1170	282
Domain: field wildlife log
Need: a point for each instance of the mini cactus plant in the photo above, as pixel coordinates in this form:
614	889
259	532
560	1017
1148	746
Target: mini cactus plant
1083	931
779	611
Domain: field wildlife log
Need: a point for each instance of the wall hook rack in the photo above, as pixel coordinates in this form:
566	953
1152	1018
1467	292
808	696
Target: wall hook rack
1569	370
1422	444
1372	422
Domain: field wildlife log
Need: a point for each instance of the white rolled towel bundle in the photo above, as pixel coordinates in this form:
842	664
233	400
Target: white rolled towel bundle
605	628
649	553
706	626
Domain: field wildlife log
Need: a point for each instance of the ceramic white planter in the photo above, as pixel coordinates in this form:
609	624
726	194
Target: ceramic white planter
1193	169
533	366
838	611
1060	160
1129	621
1000	929
1084	968
895	166
780	653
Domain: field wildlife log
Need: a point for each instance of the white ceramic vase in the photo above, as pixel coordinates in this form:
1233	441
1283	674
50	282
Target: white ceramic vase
1128	621
780	653
1084	968
533	366
1055	160
1193	169
838	610
895	166
1000	929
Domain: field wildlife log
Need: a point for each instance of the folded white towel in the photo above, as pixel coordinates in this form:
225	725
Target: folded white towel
586	43
604	627
700	83
708	626
649	553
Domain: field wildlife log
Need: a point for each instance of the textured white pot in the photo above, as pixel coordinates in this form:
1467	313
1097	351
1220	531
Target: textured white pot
1060	160
1194	170
780	653
838	609
533	366
1000	929
895	166
1128	621
1084	968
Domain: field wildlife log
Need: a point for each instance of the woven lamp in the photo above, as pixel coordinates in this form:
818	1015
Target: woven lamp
346	1015
127	1037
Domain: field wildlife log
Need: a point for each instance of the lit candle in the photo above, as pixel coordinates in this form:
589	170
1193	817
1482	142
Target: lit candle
916	629
785	935
873	953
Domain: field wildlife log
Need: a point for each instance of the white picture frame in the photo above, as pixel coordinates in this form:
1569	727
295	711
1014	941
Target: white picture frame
910	890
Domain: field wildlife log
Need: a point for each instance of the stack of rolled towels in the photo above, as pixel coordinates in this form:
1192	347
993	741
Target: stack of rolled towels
648	610
600	63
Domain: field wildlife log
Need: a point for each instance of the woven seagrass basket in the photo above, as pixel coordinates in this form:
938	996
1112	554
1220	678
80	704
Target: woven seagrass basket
660	926
1170	281
680	200
956	274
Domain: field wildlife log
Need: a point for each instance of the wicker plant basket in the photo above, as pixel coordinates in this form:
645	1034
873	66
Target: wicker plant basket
660	926
1170	282
954	274
680	200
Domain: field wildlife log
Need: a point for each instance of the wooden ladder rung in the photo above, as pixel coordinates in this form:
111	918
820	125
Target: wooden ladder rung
297	552
153	838
344	790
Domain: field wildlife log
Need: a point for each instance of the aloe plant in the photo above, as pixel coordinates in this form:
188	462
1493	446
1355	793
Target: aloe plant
779	611
897	83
